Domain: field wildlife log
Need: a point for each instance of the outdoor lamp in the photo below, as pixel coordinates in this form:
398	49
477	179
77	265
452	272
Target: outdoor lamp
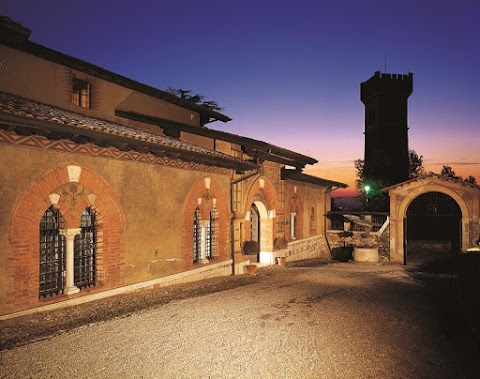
366	187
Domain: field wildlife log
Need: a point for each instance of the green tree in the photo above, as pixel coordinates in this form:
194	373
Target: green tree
377	199
470	179
415	165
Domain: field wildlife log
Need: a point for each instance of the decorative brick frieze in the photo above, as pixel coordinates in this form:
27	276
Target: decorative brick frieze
107	152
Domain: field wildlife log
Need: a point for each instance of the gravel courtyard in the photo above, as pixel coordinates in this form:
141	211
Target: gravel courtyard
313	319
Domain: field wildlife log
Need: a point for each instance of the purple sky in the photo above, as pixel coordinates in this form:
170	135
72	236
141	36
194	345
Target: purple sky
289	72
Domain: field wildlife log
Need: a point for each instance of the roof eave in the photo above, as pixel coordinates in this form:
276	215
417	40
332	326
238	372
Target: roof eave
45	128
305	178
263	150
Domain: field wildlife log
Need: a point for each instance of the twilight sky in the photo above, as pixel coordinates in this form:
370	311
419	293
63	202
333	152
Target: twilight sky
289	72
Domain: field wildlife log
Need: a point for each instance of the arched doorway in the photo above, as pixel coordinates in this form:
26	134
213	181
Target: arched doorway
433	223
262	195
261	230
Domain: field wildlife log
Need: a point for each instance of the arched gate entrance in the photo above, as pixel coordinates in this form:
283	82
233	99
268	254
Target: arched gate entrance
433	207
433	222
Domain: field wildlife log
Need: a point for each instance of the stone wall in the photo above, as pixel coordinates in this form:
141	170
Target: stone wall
312	247
380	239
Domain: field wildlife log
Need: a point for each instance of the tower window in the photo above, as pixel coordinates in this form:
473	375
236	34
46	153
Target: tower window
81	93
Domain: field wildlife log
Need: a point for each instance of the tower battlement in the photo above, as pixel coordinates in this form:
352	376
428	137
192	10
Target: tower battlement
387	83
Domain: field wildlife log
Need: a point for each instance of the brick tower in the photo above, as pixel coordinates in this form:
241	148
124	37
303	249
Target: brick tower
385	97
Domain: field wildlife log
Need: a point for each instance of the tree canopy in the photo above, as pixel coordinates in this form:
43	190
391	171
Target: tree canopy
450	173
195	98
378	200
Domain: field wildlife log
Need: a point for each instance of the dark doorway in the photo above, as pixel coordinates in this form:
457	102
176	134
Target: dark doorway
254	224
433	224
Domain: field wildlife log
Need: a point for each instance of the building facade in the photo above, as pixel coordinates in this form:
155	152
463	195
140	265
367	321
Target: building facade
110	185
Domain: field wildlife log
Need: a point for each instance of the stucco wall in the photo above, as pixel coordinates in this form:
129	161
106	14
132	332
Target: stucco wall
41	80
151	197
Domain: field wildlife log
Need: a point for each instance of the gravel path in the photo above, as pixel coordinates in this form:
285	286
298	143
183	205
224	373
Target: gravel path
314	319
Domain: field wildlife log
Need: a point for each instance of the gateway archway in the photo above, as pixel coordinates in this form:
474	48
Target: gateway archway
458	201
432	223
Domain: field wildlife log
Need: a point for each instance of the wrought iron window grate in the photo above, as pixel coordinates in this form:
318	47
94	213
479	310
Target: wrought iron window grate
85	250
210	242
434	204
197	236
52	254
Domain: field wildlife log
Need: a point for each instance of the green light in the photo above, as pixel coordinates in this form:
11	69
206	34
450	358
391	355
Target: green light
366	188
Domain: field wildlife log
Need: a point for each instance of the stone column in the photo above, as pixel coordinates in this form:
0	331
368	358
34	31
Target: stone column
70	234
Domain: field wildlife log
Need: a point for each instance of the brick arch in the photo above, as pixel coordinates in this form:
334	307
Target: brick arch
267	193
22	271
199	191
296	207
262	192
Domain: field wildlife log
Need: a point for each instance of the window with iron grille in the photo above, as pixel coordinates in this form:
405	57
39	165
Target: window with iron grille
81	93
293	226
52	254
210	242
197	236
84	260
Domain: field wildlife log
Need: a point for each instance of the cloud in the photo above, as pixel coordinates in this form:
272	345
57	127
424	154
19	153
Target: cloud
453	163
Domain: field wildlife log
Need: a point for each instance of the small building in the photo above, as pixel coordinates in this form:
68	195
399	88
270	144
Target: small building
110	185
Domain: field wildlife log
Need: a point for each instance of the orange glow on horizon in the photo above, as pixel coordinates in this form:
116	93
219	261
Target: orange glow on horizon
344	172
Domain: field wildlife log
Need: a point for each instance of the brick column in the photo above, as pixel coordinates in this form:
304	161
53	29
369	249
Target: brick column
70	234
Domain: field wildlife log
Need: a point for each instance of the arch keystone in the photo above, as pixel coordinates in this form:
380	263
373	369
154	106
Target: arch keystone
74	173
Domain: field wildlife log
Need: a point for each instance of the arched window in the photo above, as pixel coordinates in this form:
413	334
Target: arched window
85	250
197	236
210	241
52	254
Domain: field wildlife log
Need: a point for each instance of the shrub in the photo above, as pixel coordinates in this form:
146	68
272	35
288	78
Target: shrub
251	247
280	243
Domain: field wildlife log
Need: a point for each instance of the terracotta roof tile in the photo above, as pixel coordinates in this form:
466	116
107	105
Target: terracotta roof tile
18	106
